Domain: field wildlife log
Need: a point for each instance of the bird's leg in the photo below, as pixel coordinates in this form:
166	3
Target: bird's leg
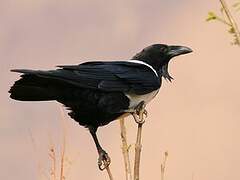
140	113
103	160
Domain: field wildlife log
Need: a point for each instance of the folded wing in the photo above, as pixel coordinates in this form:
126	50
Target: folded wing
116	76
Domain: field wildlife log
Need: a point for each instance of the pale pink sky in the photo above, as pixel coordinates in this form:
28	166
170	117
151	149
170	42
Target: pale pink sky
196	118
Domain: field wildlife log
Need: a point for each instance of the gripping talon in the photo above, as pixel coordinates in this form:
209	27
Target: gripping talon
103	160
140	113
145	113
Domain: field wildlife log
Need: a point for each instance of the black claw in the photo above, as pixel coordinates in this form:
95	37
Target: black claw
139	113
140	107
103	160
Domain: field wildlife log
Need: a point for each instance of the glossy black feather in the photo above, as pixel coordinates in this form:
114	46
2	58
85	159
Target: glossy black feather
116	76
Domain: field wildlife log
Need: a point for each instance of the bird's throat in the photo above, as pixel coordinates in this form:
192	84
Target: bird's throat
165	73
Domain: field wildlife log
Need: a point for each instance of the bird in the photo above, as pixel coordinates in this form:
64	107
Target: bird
99	92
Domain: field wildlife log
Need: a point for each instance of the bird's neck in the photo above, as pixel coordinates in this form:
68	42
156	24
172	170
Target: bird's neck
157	65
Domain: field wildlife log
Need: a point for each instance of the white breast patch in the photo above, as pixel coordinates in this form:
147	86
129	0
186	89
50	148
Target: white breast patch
136	99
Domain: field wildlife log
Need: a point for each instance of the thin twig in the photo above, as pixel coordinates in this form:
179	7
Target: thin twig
125	150
109	172
223	21
231	21
138	146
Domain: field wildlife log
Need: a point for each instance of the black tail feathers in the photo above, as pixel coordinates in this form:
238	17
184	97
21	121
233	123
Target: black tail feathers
32	88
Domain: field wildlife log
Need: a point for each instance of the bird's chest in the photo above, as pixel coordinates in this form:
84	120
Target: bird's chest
136	99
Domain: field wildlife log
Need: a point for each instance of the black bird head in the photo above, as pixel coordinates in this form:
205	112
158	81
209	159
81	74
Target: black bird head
159	55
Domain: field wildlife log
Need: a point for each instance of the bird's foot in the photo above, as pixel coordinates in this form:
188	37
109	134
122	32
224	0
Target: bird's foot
140	113
103	160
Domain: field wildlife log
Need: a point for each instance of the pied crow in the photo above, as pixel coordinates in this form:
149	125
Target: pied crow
98	92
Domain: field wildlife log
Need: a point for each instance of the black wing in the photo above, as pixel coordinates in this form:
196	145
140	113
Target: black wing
115	76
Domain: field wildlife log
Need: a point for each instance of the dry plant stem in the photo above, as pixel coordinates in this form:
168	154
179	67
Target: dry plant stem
138	145
62	162
231	21
138	148
125	150
109	173
163	165
52	155
62	177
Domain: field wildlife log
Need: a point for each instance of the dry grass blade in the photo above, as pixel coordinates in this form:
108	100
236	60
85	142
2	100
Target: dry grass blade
125	150
62	177
52	155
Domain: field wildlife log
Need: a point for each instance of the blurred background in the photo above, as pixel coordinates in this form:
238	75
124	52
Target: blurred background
196	118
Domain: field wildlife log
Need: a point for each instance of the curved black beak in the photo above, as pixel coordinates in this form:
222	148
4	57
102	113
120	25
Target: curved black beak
172	52
178	50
